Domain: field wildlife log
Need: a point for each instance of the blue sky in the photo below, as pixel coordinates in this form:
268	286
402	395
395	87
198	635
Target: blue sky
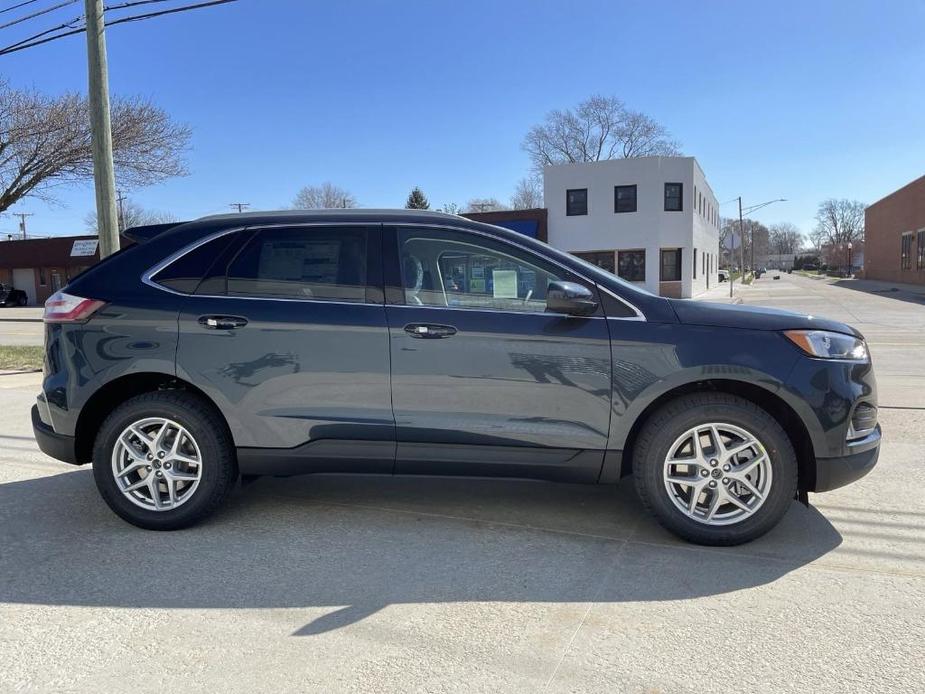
799	100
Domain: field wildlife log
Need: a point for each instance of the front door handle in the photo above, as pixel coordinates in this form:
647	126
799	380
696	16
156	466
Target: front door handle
222	322
429	330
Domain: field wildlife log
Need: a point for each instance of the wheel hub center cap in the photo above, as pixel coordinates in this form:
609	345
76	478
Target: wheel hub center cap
157	464
717	474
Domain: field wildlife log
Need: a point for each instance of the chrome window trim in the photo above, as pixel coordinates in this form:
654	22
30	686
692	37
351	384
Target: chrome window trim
147	276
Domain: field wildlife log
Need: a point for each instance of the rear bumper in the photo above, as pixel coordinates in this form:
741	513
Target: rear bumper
59	446
832	473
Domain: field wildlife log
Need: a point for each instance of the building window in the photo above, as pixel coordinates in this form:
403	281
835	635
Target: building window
670	265
674	197
695	263
603	259
631	265
624	198
42	279
920	258
576	202
905	259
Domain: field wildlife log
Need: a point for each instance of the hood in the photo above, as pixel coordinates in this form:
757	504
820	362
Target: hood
753	317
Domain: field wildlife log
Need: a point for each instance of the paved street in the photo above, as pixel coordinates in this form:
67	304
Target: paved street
358	584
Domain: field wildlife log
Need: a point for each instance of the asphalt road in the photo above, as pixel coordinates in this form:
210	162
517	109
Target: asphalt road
376	584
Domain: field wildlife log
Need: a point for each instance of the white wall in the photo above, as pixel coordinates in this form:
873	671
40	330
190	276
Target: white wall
650	227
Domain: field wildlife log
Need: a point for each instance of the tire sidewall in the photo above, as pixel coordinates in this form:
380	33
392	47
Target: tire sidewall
213	450
757	422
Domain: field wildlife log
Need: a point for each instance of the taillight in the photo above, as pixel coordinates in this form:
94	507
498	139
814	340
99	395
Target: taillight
67	308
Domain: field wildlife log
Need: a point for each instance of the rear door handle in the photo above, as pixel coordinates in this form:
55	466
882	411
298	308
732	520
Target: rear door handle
222	322
430	331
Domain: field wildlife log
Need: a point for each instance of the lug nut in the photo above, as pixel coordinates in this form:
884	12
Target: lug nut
712	484
148	468
727	467
158	474
161	454
704	473
150	457
166	466
714	462
726	481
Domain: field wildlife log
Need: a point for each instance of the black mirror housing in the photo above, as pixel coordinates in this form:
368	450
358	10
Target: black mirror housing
570	298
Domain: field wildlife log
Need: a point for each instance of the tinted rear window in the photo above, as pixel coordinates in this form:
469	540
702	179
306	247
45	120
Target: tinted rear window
185	273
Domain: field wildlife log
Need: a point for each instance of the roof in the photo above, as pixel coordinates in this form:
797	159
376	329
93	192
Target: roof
350	213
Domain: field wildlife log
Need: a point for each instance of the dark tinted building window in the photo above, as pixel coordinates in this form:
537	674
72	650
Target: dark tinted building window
624	198
327	263
695	263
631	265
670	265
920	259
905	260
185	273
603	259
674	193
576	202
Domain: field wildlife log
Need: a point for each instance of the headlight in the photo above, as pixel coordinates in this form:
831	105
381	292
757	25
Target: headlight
827	345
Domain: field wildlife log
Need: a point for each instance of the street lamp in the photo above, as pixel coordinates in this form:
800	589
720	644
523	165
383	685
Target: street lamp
748	210
848	274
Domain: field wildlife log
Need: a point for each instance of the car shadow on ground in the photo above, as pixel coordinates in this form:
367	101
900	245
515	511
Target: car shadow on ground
359	544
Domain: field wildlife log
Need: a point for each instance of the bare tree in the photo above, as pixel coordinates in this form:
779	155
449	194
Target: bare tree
734	246
45	141
450	208
131	214
838	222
600	127
785	238
484	205
325	196
528	194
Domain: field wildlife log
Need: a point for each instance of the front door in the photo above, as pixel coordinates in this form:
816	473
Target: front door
287	334
484	381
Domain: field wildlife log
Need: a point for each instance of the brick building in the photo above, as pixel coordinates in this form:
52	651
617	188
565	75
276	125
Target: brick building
894	230
42	266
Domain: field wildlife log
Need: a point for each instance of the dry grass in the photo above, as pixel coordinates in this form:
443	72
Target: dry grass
21	358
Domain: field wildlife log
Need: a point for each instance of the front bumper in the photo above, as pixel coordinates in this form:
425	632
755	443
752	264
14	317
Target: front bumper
832	473
51	443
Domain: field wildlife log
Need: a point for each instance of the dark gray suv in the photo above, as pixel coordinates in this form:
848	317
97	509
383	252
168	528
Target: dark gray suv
406	342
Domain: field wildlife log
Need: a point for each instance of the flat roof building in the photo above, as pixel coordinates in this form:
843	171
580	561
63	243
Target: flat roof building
40	267
650	220
894	236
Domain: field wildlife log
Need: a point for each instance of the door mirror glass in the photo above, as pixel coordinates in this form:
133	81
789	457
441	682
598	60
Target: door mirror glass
570	298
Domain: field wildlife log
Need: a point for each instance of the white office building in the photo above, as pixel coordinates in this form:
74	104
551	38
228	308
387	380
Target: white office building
651	220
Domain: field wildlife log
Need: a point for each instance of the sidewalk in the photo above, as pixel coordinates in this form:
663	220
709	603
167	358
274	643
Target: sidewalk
720	294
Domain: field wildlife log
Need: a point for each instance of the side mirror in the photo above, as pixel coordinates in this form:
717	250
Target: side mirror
570	298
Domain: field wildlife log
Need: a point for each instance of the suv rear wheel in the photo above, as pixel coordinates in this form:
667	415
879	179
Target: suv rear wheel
715	469
164	460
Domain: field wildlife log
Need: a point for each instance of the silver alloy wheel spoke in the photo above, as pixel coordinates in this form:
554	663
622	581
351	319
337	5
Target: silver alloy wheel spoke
157	464
708	482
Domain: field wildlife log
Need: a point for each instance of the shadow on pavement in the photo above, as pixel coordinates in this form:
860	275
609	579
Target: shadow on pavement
357	545
884	289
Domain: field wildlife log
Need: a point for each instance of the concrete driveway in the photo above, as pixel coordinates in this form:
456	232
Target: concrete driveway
376	584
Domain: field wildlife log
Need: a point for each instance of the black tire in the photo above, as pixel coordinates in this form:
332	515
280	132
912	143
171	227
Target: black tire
199	418
686	412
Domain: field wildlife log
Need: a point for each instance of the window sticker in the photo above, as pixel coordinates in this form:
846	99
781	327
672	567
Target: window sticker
504	284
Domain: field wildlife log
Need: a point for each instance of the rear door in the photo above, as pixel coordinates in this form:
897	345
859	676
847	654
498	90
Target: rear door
287	333
484	380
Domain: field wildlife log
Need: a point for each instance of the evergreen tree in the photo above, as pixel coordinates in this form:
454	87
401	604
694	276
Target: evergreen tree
417	200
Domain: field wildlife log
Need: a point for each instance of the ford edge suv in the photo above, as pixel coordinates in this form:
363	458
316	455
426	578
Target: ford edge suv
413	342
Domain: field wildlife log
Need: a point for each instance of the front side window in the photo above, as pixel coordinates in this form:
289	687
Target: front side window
455	269
905	260
631	265
322	263
624	198
602	259
673	197
670	265
576	202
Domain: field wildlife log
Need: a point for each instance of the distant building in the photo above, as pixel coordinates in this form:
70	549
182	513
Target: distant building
894	231
41	267
530	223
650	220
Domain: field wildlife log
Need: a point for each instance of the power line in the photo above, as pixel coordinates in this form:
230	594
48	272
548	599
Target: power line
38	13
17	6
126	5
241	206
29	42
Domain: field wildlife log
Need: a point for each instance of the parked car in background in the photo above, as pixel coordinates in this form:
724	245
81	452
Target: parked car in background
414	342
723	275
12	297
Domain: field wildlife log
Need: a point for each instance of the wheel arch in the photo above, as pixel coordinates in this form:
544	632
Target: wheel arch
117	391
792	424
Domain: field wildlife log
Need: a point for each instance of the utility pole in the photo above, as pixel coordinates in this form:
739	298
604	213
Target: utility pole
741	243
22	222
121	199
241	206
101	129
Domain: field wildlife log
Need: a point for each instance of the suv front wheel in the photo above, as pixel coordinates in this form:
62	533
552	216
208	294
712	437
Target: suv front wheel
164	460
715	469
